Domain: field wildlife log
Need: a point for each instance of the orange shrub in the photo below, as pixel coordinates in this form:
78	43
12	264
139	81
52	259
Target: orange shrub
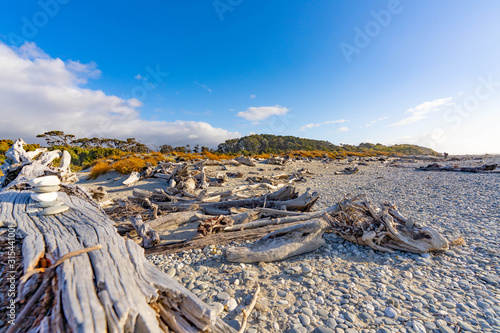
129	164
187	156
100	168
264	156
211	156
158	156
150	160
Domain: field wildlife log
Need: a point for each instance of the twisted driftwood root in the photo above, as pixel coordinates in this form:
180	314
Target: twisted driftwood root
282	244
386	230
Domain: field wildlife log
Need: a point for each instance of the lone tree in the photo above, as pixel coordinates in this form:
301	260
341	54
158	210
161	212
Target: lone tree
57	138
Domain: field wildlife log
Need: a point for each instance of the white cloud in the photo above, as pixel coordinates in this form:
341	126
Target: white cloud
343	129
373	122
204	87
39	93
309	126
138	77
262	112
420	111
252	96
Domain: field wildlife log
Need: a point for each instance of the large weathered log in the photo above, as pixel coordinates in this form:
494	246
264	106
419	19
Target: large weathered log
282	244
222	238
113	289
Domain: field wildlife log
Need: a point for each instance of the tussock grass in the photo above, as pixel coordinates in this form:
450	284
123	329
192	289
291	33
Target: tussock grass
131	164
100	168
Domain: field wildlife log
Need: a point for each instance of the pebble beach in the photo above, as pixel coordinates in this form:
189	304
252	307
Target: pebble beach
343	287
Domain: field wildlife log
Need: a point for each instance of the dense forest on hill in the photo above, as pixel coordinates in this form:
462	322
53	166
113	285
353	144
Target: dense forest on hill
275	144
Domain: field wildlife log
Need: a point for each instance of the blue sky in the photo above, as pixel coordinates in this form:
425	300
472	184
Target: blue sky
420	72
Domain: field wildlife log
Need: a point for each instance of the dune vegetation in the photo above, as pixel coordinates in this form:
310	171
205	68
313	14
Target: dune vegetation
102	155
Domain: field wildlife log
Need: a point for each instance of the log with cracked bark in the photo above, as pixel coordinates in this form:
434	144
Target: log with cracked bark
118	289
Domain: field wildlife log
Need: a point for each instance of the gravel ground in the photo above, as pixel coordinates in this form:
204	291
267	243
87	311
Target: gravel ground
342	287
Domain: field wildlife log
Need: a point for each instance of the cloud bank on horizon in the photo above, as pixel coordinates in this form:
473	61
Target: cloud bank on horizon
39	93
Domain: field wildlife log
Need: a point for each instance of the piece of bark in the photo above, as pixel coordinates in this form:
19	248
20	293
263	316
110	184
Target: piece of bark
282	244
277	212
214	162
245	188
149	236
49	156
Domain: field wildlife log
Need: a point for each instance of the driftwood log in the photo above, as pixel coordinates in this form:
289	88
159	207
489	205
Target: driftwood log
221	238
488	168
352	219
149	236
111	289
347	171
245	160
387	230
40	161
285	198
132	179
282	244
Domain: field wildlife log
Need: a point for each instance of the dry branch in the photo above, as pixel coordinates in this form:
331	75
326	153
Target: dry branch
149	236
247	312
387	230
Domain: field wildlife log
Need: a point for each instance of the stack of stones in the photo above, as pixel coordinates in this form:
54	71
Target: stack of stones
45	193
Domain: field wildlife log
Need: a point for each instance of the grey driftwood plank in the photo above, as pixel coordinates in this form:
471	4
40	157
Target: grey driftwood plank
112	289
